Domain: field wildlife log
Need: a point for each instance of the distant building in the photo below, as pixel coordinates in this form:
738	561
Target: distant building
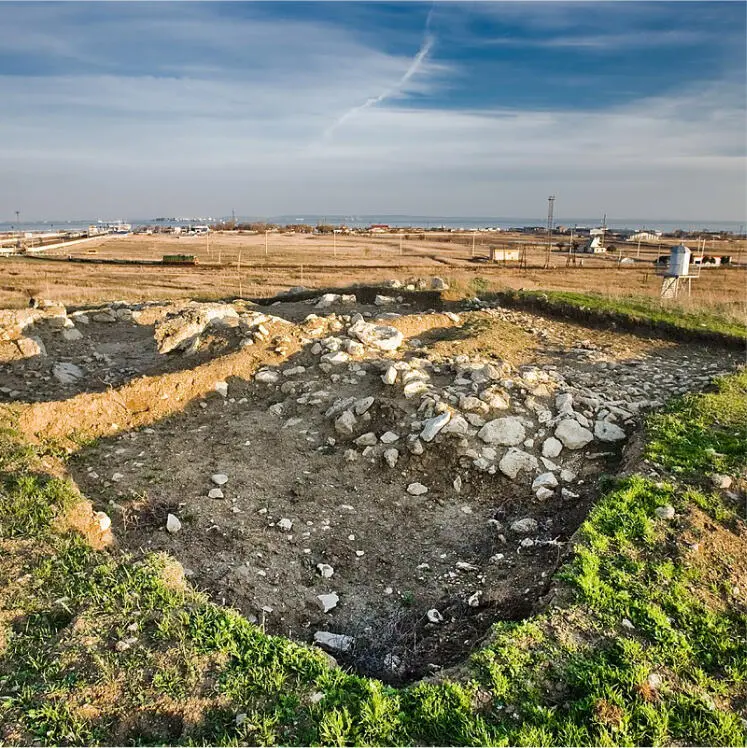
500	254
645	236
594	246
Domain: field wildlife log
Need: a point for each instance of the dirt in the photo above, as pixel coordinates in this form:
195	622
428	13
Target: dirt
162	431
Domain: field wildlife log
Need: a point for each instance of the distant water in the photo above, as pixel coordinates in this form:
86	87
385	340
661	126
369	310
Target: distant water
451	222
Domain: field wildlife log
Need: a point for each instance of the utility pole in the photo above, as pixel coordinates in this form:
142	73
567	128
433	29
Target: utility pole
550	208
604	232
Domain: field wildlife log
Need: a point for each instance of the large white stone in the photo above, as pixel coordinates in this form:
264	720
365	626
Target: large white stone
516	461
608	432
383	337
551	447
573	434
432	426
508	431
326	300
546	480
328	601
173	525
340	642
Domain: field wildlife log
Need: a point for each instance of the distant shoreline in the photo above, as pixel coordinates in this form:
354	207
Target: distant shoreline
468	223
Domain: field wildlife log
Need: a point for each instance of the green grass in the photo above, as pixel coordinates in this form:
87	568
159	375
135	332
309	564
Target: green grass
641	309
637	606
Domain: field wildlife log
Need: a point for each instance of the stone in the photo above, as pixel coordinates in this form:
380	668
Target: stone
220	479
328	601
417	489
721	481
67	373
546	480
389	437
367	440
325	570
608	432
516	461
362	406
471	404
338	358
221	388
345	423
508	431
104	521
173	525
72	334
544	493
474	600
524	526
215	493
551	447
389	376
285	524
105	316
564	403
457	426
179	329
415	446
434	616
665	512
382	337
432	426
327	300
267	376
30	347
655	681
391	456
412	389
567	476
439	284
573	434
339	642
381	300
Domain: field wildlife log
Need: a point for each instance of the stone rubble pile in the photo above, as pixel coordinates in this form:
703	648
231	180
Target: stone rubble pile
534	425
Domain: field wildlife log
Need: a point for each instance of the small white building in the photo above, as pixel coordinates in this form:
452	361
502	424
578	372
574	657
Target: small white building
500	254
594	246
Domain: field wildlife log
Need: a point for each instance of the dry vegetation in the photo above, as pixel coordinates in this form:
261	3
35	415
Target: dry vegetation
237	265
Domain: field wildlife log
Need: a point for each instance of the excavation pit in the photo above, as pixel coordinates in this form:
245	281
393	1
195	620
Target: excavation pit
312	516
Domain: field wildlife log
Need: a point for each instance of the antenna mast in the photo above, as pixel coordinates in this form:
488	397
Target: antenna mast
550	208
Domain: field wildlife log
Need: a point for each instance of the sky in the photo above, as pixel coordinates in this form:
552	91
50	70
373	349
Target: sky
123	109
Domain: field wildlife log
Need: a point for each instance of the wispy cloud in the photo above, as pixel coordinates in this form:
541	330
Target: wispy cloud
399	87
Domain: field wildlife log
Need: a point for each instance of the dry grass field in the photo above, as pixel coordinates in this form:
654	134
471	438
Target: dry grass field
232	264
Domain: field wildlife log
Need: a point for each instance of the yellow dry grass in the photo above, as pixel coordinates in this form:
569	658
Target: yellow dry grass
233	264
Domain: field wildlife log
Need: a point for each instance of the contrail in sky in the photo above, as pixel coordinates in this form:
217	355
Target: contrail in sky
415	65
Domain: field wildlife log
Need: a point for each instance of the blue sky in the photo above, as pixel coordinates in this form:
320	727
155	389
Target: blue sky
634	109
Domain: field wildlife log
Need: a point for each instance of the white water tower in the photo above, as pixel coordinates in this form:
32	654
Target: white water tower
675	271
679	262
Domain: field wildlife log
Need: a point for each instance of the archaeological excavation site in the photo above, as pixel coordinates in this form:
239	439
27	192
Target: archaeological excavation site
377	473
